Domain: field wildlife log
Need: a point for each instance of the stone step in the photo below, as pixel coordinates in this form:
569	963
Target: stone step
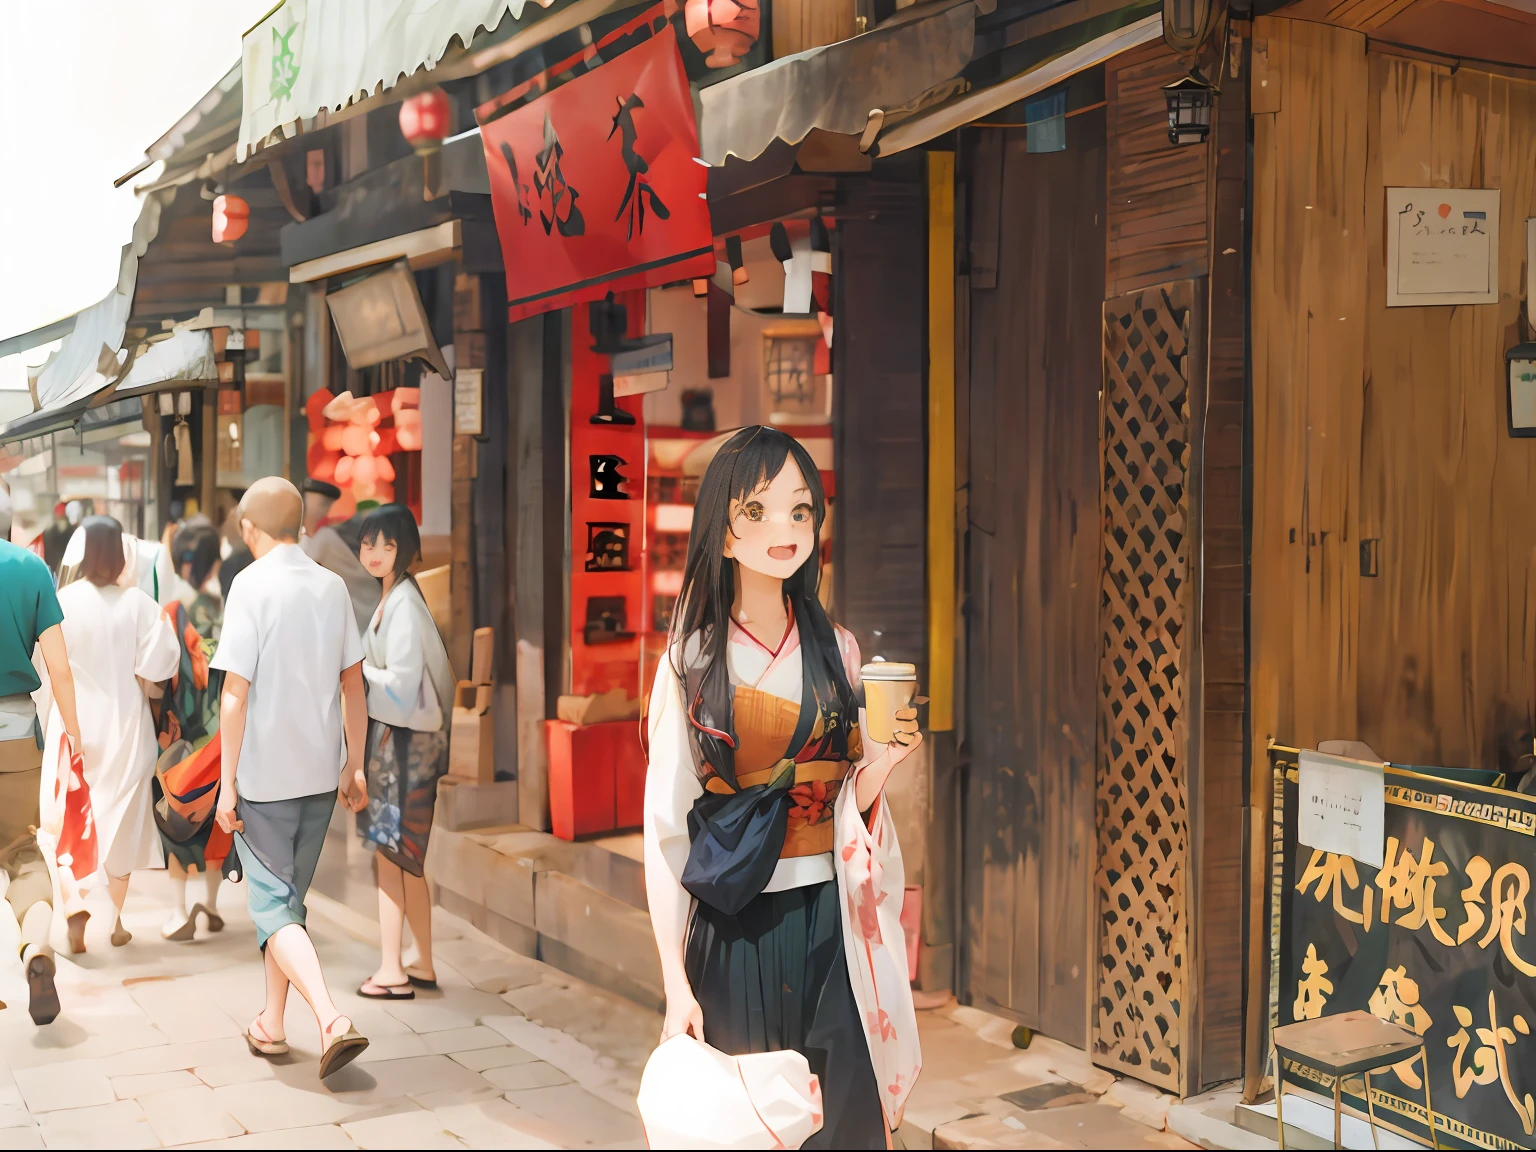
577	906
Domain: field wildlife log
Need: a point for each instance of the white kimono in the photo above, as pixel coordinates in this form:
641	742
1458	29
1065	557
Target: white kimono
405	664
114	635
866	862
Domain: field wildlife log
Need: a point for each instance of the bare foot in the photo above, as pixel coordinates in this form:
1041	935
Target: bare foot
77	924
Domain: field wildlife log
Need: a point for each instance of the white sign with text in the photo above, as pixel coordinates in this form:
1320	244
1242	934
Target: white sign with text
1442	246
1342	804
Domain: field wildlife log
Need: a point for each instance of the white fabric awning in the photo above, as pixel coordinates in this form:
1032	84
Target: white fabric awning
983	102
91	356
185	360
310	55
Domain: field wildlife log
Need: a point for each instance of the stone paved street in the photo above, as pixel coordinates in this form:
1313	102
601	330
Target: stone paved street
511	1053
148	1051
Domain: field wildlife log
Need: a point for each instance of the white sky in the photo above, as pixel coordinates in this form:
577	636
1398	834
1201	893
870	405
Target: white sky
89	85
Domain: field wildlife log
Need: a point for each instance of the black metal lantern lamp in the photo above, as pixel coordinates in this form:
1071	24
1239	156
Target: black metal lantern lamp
1187	25
1189	109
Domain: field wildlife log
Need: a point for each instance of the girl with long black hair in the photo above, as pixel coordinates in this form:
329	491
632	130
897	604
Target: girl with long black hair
772	869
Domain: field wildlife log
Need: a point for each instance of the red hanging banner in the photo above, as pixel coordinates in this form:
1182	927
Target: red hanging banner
596	187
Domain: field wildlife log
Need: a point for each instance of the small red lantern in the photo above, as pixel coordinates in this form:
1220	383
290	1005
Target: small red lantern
231	217
424	120
724	29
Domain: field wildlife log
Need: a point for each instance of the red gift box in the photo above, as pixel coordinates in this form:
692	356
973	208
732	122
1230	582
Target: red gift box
596	777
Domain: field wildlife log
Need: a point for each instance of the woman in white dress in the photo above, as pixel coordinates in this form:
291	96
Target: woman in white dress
116	637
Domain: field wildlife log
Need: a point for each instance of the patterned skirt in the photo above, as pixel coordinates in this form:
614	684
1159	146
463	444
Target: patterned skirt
403	770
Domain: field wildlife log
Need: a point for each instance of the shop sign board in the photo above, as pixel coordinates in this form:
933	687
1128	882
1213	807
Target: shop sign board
596	187
1434	940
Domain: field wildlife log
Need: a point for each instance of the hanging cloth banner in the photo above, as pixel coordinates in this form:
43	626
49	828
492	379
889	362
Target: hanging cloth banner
596	186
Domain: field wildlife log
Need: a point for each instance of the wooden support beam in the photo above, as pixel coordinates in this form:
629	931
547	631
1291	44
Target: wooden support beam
941	441
423	249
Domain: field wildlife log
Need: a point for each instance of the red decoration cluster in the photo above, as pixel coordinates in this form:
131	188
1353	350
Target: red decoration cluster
352	439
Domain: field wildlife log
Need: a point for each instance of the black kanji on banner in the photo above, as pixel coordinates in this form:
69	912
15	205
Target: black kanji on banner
557	198
639	189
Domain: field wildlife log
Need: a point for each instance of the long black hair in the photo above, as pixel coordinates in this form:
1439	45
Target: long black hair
747	462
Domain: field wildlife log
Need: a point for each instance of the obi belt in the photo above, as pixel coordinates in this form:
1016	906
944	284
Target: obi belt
780	805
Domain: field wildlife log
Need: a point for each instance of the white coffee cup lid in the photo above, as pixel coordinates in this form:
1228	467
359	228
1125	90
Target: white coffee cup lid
888	670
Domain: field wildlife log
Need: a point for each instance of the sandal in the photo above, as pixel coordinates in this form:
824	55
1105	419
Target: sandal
215	921
264	1045
120	935
343	1050
186	932
425	983
386	991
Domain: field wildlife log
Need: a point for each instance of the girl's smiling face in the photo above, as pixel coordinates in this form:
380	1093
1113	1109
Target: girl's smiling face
378	556
773	530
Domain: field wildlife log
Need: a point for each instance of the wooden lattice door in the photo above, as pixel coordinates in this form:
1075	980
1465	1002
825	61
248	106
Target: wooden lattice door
1146	624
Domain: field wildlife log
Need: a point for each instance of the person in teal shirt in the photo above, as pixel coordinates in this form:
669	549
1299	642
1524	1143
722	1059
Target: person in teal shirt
30	618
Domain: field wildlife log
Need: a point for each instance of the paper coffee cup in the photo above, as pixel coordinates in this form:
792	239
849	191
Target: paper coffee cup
888	687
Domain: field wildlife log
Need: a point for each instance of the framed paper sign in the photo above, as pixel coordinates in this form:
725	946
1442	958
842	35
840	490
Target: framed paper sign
1442	246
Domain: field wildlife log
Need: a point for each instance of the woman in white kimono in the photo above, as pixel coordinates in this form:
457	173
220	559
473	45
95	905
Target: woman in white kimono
771	866
410	699
116	637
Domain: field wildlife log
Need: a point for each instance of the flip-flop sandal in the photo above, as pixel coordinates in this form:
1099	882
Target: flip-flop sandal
120	936
186	932
342	1052
262	1046
386	991
422	982
215	921
44	996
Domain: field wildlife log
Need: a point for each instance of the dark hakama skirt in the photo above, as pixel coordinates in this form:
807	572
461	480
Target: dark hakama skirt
774	977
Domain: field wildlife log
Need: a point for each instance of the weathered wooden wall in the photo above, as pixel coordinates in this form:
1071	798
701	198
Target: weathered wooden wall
1157	194
1036	247
1372	423
1383	424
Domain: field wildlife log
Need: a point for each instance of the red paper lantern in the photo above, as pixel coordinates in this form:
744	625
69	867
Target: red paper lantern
231	217
723	29
424	120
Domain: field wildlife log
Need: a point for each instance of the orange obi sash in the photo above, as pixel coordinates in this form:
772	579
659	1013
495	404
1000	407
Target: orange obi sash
765	724
812	795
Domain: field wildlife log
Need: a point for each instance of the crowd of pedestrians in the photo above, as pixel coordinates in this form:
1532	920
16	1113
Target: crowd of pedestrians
201	704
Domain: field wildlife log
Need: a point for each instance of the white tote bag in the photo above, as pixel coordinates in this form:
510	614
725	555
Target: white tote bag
694	1096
